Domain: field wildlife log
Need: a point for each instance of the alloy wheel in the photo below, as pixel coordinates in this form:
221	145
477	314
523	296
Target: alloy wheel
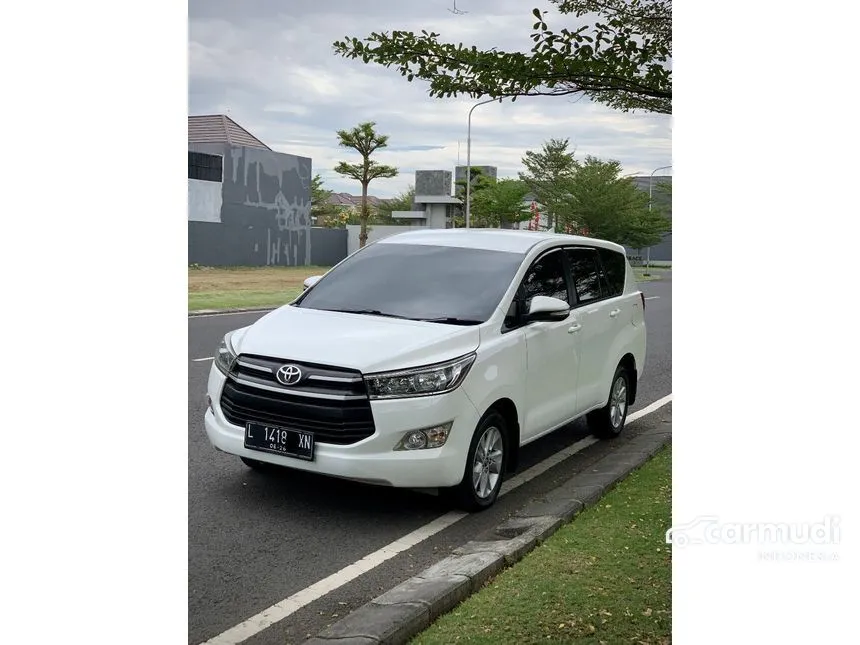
618	402
487	465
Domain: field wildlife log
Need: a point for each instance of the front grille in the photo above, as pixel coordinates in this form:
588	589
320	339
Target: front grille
334	406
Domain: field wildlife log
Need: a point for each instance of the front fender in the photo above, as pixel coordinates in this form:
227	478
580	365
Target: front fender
498	373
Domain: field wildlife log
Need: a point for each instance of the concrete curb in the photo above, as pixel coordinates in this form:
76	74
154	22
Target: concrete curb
249	310
406	610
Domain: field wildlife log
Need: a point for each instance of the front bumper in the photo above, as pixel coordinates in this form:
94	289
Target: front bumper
372	460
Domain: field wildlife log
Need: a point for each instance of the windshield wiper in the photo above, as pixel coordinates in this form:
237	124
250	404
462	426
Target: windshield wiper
367	312
447	320
451	320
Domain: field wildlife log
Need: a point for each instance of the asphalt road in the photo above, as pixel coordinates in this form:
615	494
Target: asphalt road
254	540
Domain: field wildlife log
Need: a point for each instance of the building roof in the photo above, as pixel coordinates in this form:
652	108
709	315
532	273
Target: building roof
220	128
345	199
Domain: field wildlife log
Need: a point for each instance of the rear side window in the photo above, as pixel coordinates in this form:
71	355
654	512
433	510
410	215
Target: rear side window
585	272
545	278
615	270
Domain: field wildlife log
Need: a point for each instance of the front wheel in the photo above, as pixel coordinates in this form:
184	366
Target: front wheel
608	421
485	464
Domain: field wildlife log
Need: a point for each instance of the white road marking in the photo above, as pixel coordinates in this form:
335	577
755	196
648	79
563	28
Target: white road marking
648	409
539	469
652	297
277	612
198	360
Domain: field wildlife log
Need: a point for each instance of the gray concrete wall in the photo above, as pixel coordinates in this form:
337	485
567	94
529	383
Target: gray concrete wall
437	215
328	246
433	182
265	211
487	171
661	252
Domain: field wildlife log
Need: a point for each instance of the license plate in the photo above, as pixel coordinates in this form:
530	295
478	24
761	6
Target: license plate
280	441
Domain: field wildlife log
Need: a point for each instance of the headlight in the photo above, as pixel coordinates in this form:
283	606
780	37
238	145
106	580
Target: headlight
419	381
225	356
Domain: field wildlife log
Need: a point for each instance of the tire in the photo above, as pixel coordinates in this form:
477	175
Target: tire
253	464
608	421
479	490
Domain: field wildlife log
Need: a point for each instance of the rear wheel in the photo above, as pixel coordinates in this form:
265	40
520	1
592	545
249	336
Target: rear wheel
485	464
608	421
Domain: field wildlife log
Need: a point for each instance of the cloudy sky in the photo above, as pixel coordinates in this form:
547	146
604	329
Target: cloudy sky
269	64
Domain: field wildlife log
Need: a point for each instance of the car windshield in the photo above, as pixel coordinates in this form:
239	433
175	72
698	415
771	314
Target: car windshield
443	284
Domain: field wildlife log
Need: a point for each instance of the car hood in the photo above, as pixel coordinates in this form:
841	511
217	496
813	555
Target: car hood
362	342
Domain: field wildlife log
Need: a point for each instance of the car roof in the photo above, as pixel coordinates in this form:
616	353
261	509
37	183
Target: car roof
493	239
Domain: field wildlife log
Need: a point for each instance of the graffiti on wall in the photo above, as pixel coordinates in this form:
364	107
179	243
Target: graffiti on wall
277	186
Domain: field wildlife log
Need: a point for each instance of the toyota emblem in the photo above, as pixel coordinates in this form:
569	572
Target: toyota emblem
288	374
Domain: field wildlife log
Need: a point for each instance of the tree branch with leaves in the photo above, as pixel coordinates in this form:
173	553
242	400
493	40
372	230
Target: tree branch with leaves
622	60
403	202
320	206
499	204
611	207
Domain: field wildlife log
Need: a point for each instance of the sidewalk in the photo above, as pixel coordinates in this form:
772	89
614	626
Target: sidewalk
605	577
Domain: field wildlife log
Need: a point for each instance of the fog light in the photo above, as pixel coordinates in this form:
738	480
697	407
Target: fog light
209	402
415	440
433	437
437	436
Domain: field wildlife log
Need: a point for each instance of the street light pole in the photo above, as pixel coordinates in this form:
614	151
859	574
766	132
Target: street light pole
650	193
469	157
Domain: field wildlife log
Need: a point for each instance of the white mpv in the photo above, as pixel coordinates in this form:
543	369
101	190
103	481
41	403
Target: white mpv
429	358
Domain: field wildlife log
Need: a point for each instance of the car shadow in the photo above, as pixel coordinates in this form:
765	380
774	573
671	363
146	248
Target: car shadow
299	491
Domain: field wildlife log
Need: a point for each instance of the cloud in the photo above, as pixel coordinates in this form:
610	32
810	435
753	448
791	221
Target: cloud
271	67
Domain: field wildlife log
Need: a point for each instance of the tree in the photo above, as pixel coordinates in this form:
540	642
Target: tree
547	175
320	207
365	140
480	181
499	203
622	60
663	198
403	202
605	205
645	228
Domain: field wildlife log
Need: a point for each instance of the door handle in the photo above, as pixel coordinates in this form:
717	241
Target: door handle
575	327
614	313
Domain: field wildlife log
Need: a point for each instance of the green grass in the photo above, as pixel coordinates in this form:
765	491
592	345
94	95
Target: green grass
239	299
654	273
603	578
240	287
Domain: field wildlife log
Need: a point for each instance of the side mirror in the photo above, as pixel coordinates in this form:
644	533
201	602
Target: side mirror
311	281
544	309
